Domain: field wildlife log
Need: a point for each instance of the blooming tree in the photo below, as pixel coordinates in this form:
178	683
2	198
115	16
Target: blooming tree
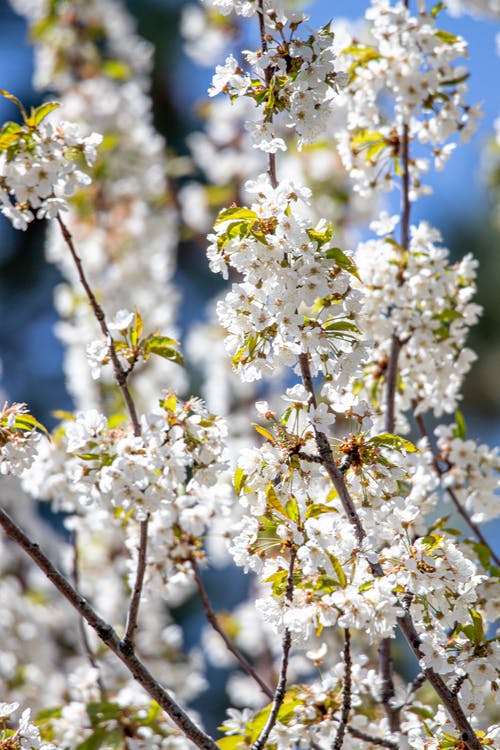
320	492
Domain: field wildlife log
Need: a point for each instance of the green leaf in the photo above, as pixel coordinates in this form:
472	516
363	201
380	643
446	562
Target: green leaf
265	433
103	739
321	237
460	430
28	422
239	480
116	69
318	509
273	500
425	713
396	442
292	510
341	326
49	713
342	260
259	721
279	581
446	36
235	213
436	9
102	712
162	346
371	142
231	743
9	134
40	113
477	621
136	330
338	570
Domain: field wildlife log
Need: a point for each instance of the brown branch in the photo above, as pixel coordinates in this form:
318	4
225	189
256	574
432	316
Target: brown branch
346	693
326	455
388	691
371	738
452	494
121	380
135	599
279	693
212	619
120	375
271	158
109	637
75	574
450	701
405	622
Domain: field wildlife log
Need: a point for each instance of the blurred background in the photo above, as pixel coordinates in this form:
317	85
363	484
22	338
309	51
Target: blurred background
462	207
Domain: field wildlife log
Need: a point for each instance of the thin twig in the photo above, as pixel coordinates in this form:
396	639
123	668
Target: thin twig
120	375
371	738
326	455
450	701
135	599
108	636
346	692
385	647
279	693
271	158
121	380
388	691
75	574
212	619
452	494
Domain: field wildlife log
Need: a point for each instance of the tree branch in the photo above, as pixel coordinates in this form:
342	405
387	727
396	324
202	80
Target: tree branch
121	380
212	619
279	693
405	622
326	455
108	636
271	158
120	375
81	622
135	599
346	693
371	738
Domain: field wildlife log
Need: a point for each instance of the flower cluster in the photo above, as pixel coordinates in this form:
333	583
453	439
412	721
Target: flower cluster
471	472
19	439
408	65
98	65
26	736
295	295
417	296
179	450
292	81
39	169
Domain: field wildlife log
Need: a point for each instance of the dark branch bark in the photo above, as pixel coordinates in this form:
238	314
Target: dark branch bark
405	622
346	693
271	158
371	738
135	599
212	619
279	693
109	637
120	375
